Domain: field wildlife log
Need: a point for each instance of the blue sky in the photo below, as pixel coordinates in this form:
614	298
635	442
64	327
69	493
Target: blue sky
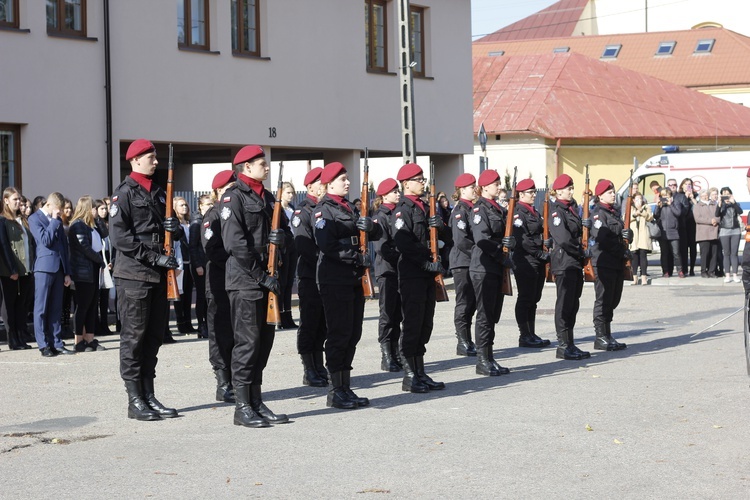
488	16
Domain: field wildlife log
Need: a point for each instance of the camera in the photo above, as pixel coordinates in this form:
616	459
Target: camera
663	200
725	198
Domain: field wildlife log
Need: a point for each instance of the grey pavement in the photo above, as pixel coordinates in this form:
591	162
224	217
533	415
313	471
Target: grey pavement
666	418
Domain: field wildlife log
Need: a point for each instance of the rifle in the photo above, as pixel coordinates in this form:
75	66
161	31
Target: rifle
626	225
441	294
588	269
173	292
507	287
367	288
549	278
273	313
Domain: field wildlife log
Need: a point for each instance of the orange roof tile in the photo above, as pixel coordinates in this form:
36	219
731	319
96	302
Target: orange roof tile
559	19
573	96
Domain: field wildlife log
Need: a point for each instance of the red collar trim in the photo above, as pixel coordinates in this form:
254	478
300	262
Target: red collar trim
255	185
144	180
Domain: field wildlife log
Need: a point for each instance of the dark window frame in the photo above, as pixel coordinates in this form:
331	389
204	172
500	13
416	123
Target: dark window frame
187	16
16	130
371	35
238	34
14	23
59	28
418	70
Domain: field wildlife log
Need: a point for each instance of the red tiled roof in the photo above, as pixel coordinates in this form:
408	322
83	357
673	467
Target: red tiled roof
725	65
573	96
559	19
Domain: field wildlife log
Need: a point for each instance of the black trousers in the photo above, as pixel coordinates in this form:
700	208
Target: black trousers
103	303
143	311
639	263
389	322
488	290
466	302
311	334
286	277
16	294
709	255
569	284
183	308
418	311
200	295
688	245
253	337
666	258
530	280
87	298
608	291
344	310
220	331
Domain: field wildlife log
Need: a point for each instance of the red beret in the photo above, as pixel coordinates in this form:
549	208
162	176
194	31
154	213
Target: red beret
386	187
488	177
603	186
331	171
465	180
248	153
222	179
312	176
408	171
525	185
138	147
562	182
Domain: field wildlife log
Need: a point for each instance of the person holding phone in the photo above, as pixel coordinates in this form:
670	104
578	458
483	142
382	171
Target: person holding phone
728	212
668	214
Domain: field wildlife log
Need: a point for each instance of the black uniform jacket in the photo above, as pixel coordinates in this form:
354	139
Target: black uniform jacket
197	254
337	238
463	240
245	224
386	253
411	235
84	261
565	229
608	250
488	228
136	230
213	248
304	238
528	228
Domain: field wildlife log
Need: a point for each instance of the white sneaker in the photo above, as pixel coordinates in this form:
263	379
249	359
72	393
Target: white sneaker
737	279
727	279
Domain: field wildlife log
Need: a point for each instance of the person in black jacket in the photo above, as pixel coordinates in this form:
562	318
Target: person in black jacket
183	308
669	213
486	268
386	274
311	334
337	225
416	276
609	253
460	258
102	227
198	263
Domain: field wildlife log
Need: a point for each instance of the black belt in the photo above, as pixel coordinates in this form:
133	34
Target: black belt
150	238
352	240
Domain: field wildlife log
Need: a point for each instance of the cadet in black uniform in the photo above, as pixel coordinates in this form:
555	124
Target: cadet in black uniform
386	274
311	334
340	267
486	269
416	276
136	229
245	211
218	314
460	257
566	263
529	259
608	258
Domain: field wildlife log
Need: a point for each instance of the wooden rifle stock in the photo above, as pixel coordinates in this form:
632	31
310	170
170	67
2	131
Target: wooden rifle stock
173	291
507	286
588	269
367	288
273	313
548	276
441	294
626	225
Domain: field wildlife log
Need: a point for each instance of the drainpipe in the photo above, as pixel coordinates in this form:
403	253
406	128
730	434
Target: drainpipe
557	158
108	94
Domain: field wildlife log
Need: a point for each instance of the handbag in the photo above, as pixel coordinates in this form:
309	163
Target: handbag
654	231
105	277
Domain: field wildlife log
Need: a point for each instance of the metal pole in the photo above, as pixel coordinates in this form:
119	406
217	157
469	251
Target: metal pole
406	82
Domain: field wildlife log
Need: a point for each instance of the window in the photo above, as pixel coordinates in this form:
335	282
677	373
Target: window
417	39
376	35
611	51
496	53
665	48
10	155
9	13
560	50
245	29
192	24
704	46
66	17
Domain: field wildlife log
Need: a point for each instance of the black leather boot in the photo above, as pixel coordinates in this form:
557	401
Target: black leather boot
137	407
396	354
613	344
485	366
465	347
349	392
503	370
337	395
320	365
532	329
527	338
224	390
412	382
15	343
287	322
431	384
310	375
256	403
566	349
202	330
387	362
243	412
153	403
604	340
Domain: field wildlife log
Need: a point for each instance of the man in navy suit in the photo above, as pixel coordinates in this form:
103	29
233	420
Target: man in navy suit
51	275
